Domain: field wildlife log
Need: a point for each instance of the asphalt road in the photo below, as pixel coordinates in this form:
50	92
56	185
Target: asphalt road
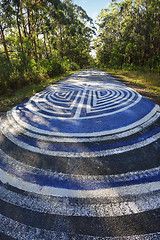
80	161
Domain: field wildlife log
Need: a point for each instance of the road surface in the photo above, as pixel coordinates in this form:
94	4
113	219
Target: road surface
80	161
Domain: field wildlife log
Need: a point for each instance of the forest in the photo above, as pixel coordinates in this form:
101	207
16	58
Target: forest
129	35
43	38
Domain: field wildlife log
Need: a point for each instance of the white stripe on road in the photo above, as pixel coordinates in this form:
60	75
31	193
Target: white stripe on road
23	168
19	129
94	134
134	190
116	207
7	132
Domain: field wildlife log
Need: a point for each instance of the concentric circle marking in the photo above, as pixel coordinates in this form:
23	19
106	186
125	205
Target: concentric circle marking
84	110
83	104
80	160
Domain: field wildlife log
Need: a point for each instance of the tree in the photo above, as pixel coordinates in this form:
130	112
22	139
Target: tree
6	21
43	36
129	34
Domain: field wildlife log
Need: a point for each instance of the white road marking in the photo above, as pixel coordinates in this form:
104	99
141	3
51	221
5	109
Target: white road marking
117	207
80	105
88	154
94	134
60	192
117	177
19	129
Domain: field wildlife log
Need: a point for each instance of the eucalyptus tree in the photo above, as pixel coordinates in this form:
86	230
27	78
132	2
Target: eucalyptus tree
6	21
41	35
129	34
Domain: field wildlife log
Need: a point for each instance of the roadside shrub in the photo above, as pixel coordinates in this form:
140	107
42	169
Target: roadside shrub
24	70
51	66
67	65
74	66
23	64
6	71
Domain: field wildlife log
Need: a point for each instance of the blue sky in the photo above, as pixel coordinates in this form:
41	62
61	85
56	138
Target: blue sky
92	7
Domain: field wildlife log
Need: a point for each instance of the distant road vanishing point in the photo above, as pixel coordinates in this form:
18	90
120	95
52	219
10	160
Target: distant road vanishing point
81	161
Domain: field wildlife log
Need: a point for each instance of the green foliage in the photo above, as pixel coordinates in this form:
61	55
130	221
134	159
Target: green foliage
22	64
67	65
5	73
74	66
48	37
5	68
129	35
50	66
38	82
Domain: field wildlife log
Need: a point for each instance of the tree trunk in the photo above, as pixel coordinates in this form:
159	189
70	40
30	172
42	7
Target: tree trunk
29	23
19	31
61	43
23	23
44	38
50	50
4	42
20	37
29	26
35	49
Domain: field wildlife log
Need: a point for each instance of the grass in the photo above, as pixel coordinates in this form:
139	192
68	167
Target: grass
11	99
146	83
